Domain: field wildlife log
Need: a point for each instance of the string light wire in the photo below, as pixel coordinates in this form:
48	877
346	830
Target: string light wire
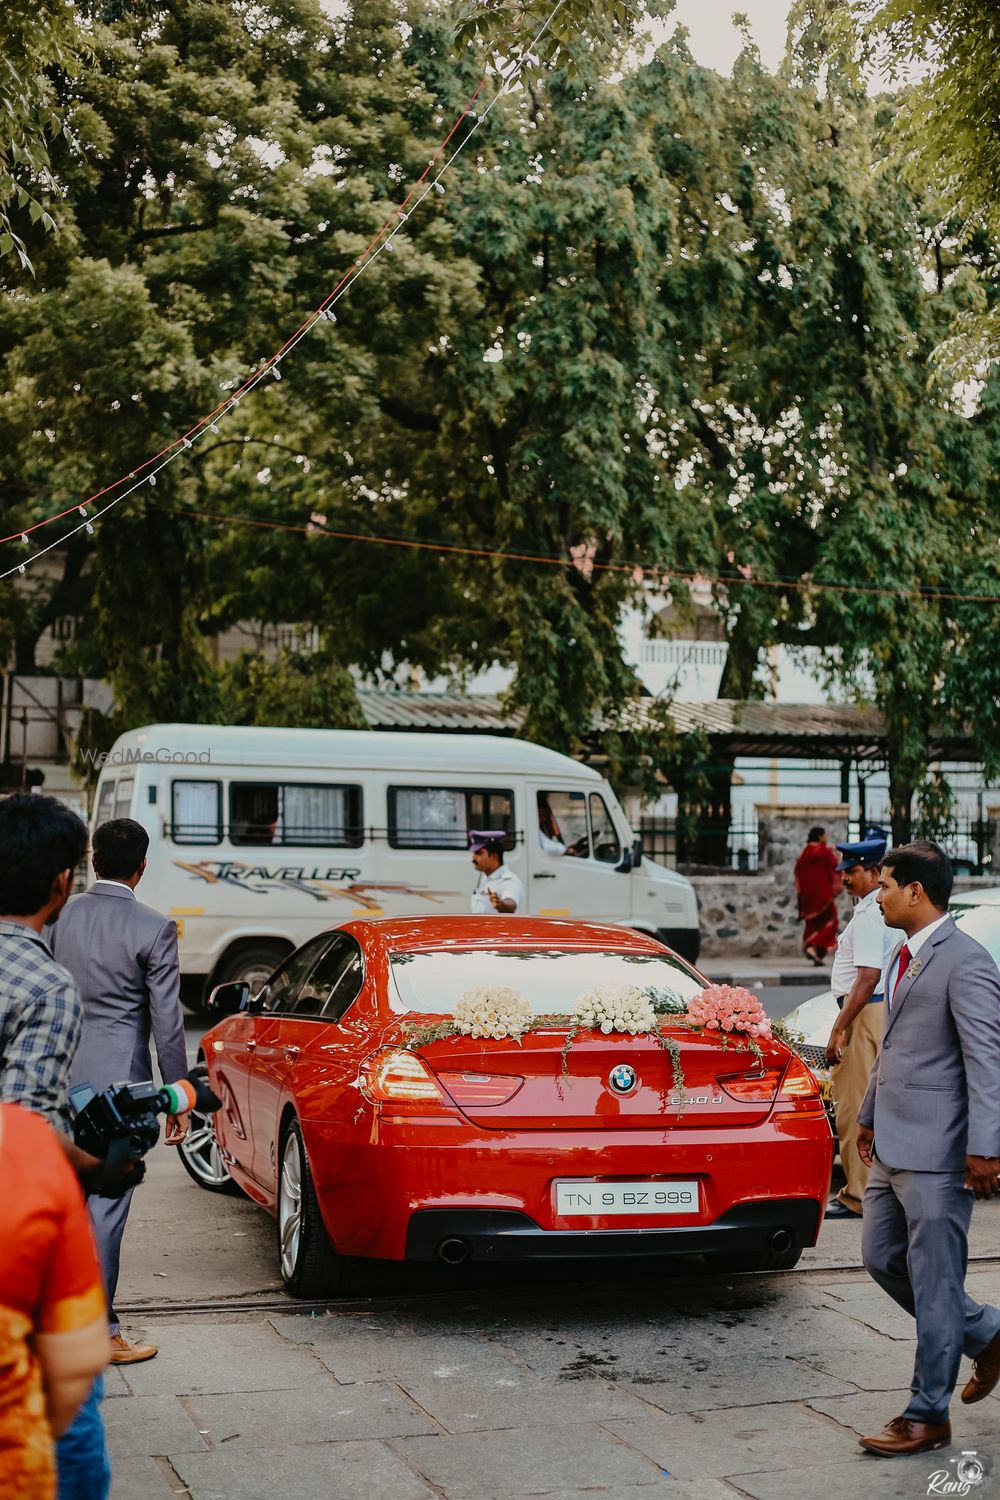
654	571
379	242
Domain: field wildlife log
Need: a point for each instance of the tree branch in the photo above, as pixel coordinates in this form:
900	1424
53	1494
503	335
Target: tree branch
169	229
406	416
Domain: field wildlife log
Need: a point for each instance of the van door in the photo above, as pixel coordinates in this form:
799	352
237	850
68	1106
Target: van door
576	855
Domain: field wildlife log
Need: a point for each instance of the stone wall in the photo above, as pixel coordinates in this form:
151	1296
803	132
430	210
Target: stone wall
756	915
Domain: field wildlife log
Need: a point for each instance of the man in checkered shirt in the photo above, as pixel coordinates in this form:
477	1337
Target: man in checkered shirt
41	1014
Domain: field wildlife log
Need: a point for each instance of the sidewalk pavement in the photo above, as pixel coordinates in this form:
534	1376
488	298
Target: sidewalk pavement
567	1385
742	969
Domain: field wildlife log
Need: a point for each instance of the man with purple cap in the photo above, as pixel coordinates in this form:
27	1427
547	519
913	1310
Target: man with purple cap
863	949
498	890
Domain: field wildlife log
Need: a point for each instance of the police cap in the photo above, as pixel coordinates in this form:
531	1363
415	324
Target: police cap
869	852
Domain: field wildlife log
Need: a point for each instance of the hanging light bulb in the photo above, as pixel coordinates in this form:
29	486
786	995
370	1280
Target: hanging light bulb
329	314
89	529
152	479
24	538
20	567
214	427
439	186
186	441
275	372
82	509
390	246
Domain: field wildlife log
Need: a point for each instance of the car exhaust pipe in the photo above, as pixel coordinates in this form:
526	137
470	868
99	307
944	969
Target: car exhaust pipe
453	1251
780	1241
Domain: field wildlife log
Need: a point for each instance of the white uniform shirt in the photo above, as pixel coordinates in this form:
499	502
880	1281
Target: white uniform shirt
865	943
507	886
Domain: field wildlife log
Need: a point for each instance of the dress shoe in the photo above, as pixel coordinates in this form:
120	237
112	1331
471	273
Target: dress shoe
905	1435
124	1353
837	1210
985	1372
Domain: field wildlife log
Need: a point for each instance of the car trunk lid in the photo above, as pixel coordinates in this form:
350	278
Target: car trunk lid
595	1082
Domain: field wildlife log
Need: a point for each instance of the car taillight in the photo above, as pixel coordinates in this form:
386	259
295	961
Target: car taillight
800	1088
756	1086
402	1078
470	1089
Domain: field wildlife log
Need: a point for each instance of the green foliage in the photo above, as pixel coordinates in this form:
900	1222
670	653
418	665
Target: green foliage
662	323
310	691
38	37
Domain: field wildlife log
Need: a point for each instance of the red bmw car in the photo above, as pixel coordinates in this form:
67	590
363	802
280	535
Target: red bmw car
456	1149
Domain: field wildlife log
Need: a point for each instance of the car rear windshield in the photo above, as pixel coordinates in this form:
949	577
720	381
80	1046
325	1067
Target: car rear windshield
550	979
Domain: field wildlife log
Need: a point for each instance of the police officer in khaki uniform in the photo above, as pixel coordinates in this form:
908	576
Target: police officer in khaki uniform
863	949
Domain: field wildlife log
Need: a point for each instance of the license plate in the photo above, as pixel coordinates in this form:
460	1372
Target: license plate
595	1199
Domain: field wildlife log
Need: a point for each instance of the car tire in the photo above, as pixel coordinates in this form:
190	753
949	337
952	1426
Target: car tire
310	1267
754	1260
201	1158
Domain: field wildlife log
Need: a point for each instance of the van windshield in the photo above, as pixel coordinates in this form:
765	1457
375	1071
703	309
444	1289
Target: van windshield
550	979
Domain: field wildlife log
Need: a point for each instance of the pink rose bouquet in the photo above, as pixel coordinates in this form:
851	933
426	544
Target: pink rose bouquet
729	1007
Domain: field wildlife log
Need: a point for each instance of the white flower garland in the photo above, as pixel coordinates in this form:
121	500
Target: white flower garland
488	1012
619	1007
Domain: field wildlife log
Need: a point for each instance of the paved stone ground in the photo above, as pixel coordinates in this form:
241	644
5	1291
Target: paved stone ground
671	1383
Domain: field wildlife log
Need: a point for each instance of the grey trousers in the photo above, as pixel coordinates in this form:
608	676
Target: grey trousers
108	1217
915	1243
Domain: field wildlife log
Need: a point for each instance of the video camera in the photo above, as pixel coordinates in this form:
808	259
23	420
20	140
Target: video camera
119	1125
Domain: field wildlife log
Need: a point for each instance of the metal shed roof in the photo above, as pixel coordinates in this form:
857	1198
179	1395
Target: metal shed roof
477	713
798	731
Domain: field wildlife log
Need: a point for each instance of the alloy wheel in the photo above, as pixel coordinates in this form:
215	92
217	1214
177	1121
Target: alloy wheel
290	1206
201	1152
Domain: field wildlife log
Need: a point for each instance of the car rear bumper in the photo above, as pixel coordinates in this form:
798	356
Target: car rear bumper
454	1235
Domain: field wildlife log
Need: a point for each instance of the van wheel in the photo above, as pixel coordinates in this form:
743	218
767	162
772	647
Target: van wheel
310	1267
253	964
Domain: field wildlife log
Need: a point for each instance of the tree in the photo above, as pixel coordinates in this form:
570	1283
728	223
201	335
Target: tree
38	36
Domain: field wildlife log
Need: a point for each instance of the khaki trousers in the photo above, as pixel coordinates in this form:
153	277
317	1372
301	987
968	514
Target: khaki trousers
850	1083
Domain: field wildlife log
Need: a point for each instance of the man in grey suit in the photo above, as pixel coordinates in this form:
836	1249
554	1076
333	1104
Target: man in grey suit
123	956
929	1126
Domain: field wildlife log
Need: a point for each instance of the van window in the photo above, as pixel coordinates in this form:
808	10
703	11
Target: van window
123	797
562	821
105	802
606	843
439	817
288	813
196	812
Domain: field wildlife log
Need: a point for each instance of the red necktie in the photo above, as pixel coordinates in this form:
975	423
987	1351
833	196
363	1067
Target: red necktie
904	964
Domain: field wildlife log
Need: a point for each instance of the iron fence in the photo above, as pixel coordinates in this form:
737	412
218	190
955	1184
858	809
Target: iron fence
711	843
715	844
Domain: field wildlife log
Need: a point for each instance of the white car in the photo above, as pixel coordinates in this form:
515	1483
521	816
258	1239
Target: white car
976	912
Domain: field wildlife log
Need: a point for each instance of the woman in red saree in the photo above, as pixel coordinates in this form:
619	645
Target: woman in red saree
817	887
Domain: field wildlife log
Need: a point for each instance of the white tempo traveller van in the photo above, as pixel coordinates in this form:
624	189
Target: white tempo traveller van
260	838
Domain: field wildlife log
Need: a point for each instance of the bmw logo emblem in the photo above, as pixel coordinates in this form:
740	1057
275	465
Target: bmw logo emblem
623	1079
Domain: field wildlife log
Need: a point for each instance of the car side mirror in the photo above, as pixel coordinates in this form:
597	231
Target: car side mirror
637	853
227	999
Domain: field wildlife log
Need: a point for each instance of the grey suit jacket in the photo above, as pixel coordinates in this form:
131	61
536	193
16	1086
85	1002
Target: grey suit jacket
934	1093
123	955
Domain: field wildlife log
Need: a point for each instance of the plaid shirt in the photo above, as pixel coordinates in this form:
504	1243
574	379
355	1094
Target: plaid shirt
41	1018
